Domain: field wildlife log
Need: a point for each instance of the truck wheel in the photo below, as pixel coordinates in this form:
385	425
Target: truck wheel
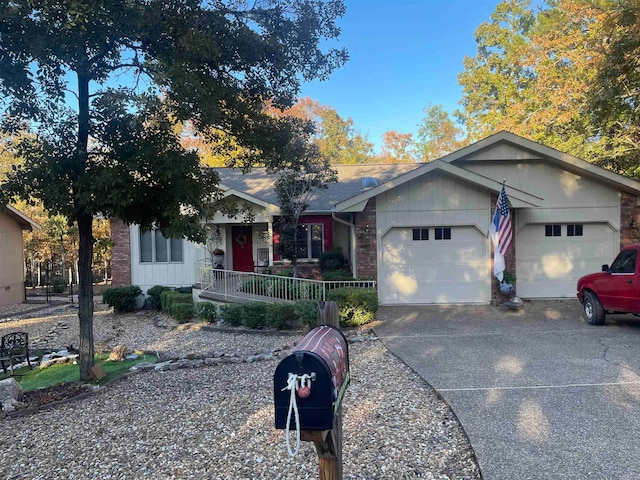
592	309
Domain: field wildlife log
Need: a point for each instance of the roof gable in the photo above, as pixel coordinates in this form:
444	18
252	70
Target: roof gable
510	147
502	146
21	219
518	198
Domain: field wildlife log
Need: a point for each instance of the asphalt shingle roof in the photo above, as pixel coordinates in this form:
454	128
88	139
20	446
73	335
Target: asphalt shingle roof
260	185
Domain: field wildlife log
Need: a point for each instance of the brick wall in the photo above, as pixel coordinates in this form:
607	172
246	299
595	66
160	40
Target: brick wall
366	243
629	220
121	253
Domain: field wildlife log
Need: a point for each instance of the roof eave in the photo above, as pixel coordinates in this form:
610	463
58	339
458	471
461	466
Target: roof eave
25	222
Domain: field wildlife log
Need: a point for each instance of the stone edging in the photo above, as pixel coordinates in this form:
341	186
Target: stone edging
178	363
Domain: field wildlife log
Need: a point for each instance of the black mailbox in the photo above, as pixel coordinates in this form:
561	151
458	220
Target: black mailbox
323	356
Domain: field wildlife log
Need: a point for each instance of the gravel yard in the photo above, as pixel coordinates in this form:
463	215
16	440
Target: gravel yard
217	422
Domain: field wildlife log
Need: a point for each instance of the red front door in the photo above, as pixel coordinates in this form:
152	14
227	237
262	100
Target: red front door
242	249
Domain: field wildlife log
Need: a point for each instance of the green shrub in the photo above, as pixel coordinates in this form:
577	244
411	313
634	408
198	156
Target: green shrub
356	306
184	290
307	312
231	313
351	316
337	276
332	260
122	299
285	273
58	285
154	296
278	315
208	311
253	315
182	312
276	288
168	298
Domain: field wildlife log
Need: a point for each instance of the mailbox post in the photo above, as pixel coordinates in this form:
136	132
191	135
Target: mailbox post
318	370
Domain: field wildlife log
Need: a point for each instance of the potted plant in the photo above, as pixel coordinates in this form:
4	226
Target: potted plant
217	256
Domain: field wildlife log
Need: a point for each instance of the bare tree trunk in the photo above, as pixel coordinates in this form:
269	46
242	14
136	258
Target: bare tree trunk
32	261
85	234
85	295
62	259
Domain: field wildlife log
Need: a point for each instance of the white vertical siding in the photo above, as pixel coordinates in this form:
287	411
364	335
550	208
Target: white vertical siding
146	275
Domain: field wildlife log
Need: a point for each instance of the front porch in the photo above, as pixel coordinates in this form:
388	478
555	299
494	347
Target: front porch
232	286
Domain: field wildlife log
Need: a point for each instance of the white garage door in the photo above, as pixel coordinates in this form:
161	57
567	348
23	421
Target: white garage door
549	266
426	270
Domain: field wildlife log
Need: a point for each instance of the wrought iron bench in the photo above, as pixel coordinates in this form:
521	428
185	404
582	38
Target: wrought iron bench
14	349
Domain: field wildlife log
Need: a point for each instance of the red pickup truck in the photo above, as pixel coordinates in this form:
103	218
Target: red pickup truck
614	290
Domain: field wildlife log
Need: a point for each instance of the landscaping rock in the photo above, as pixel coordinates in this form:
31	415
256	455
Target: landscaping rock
143	366
9	392
118	353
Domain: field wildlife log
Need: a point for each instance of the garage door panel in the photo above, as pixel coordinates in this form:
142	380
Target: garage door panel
551	266
433	271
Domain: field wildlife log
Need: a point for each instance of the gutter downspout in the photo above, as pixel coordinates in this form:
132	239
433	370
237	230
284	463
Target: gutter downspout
352	240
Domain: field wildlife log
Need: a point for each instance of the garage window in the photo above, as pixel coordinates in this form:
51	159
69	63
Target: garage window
574	230
421	234
443	233
552	230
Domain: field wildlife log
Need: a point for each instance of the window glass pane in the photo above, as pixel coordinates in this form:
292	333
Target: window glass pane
578	230
416	234
552	230
316	240
625	263
161	247
443	233
302	240
176	249
570	230
146	253
424	235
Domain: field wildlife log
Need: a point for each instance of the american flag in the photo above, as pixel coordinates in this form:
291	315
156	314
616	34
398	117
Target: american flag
502	221
501	233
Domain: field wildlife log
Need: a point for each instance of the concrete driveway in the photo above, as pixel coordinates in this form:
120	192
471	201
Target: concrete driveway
541	394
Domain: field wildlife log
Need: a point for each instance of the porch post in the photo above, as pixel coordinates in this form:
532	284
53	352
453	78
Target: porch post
270	245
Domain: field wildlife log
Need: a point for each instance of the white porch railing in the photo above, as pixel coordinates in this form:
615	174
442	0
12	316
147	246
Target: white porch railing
247	286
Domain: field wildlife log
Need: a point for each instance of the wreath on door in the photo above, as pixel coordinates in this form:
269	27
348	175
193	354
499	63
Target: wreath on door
241	239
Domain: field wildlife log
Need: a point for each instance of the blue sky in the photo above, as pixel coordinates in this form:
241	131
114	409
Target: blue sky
404	55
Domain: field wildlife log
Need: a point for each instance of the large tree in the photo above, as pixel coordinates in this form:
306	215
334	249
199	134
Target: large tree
336	137
438	134
614	98
496	77
558	73
299	181
398	147
101	84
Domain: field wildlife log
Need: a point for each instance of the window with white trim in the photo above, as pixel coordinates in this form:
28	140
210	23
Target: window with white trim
156	248
310	240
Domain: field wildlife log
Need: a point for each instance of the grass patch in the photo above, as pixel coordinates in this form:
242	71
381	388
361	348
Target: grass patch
68	372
